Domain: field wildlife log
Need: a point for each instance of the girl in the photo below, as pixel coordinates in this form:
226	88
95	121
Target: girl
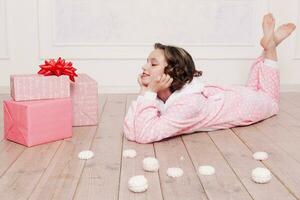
173	101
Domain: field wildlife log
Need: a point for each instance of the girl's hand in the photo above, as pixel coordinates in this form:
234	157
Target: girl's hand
143	87
161	83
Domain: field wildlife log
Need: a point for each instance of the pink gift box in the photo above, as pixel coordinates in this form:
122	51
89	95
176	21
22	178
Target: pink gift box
36	122
37	87
84	94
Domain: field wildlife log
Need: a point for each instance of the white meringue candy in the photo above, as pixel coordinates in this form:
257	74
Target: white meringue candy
206	170
261	175
138	183
174	172
85	155
150	164
260	155
129	153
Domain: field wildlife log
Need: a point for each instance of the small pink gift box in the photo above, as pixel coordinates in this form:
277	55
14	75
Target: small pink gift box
84	94
37	87
36	122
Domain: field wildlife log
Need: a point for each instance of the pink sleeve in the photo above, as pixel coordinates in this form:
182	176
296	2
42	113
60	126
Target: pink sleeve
144	124
129	122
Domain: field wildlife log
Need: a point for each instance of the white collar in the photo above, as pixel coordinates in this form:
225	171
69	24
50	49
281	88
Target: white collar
196	86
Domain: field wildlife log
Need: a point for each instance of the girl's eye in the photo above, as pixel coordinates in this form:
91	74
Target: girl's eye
154	64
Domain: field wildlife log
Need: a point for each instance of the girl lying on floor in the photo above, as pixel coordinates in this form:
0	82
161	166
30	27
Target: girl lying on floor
173	100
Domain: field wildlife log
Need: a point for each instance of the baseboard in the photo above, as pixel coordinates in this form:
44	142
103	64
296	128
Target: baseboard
118	89
135	89
4	90
290	88
102	89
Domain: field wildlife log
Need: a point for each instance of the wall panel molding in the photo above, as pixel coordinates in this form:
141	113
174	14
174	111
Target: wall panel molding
54	40
296	35
4	52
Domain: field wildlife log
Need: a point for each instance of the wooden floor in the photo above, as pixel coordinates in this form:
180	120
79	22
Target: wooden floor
53	171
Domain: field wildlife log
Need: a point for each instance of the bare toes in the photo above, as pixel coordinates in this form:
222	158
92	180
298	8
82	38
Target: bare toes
268	24
291	26
283	32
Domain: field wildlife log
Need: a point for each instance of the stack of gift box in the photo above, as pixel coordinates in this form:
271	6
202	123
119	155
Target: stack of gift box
45	106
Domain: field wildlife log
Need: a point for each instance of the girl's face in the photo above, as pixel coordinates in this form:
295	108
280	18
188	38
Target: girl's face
154	67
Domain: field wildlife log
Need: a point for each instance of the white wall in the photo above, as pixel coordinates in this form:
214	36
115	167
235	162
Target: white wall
110	40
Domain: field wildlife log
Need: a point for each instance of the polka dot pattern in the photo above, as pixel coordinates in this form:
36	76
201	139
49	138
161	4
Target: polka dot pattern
216	107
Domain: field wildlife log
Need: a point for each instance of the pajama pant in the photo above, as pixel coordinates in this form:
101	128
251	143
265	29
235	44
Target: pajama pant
265	78
244	105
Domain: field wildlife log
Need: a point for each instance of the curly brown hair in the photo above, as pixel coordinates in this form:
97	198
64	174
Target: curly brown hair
181	66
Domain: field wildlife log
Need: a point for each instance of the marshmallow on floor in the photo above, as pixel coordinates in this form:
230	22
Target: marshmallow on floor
260	155
138	183
206	170
174	172
150	164
85	155
129	153
261	175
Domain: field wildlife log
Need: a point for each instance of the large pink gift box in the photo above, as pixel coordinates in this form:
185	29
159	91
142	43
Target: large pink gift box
84	94
37	87
36	122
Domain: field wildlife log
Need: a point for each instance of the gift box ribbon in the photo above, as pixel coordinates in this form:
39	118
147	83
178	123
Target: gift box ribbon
58	68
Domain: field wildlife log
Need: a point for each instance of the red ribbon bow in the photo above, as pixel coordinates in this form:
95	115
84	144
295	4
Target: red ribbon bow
58	68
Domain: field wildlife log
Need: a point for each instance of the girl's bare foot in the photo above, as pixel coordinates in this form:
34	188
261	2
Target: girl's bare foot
272	39
268	42
283	32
